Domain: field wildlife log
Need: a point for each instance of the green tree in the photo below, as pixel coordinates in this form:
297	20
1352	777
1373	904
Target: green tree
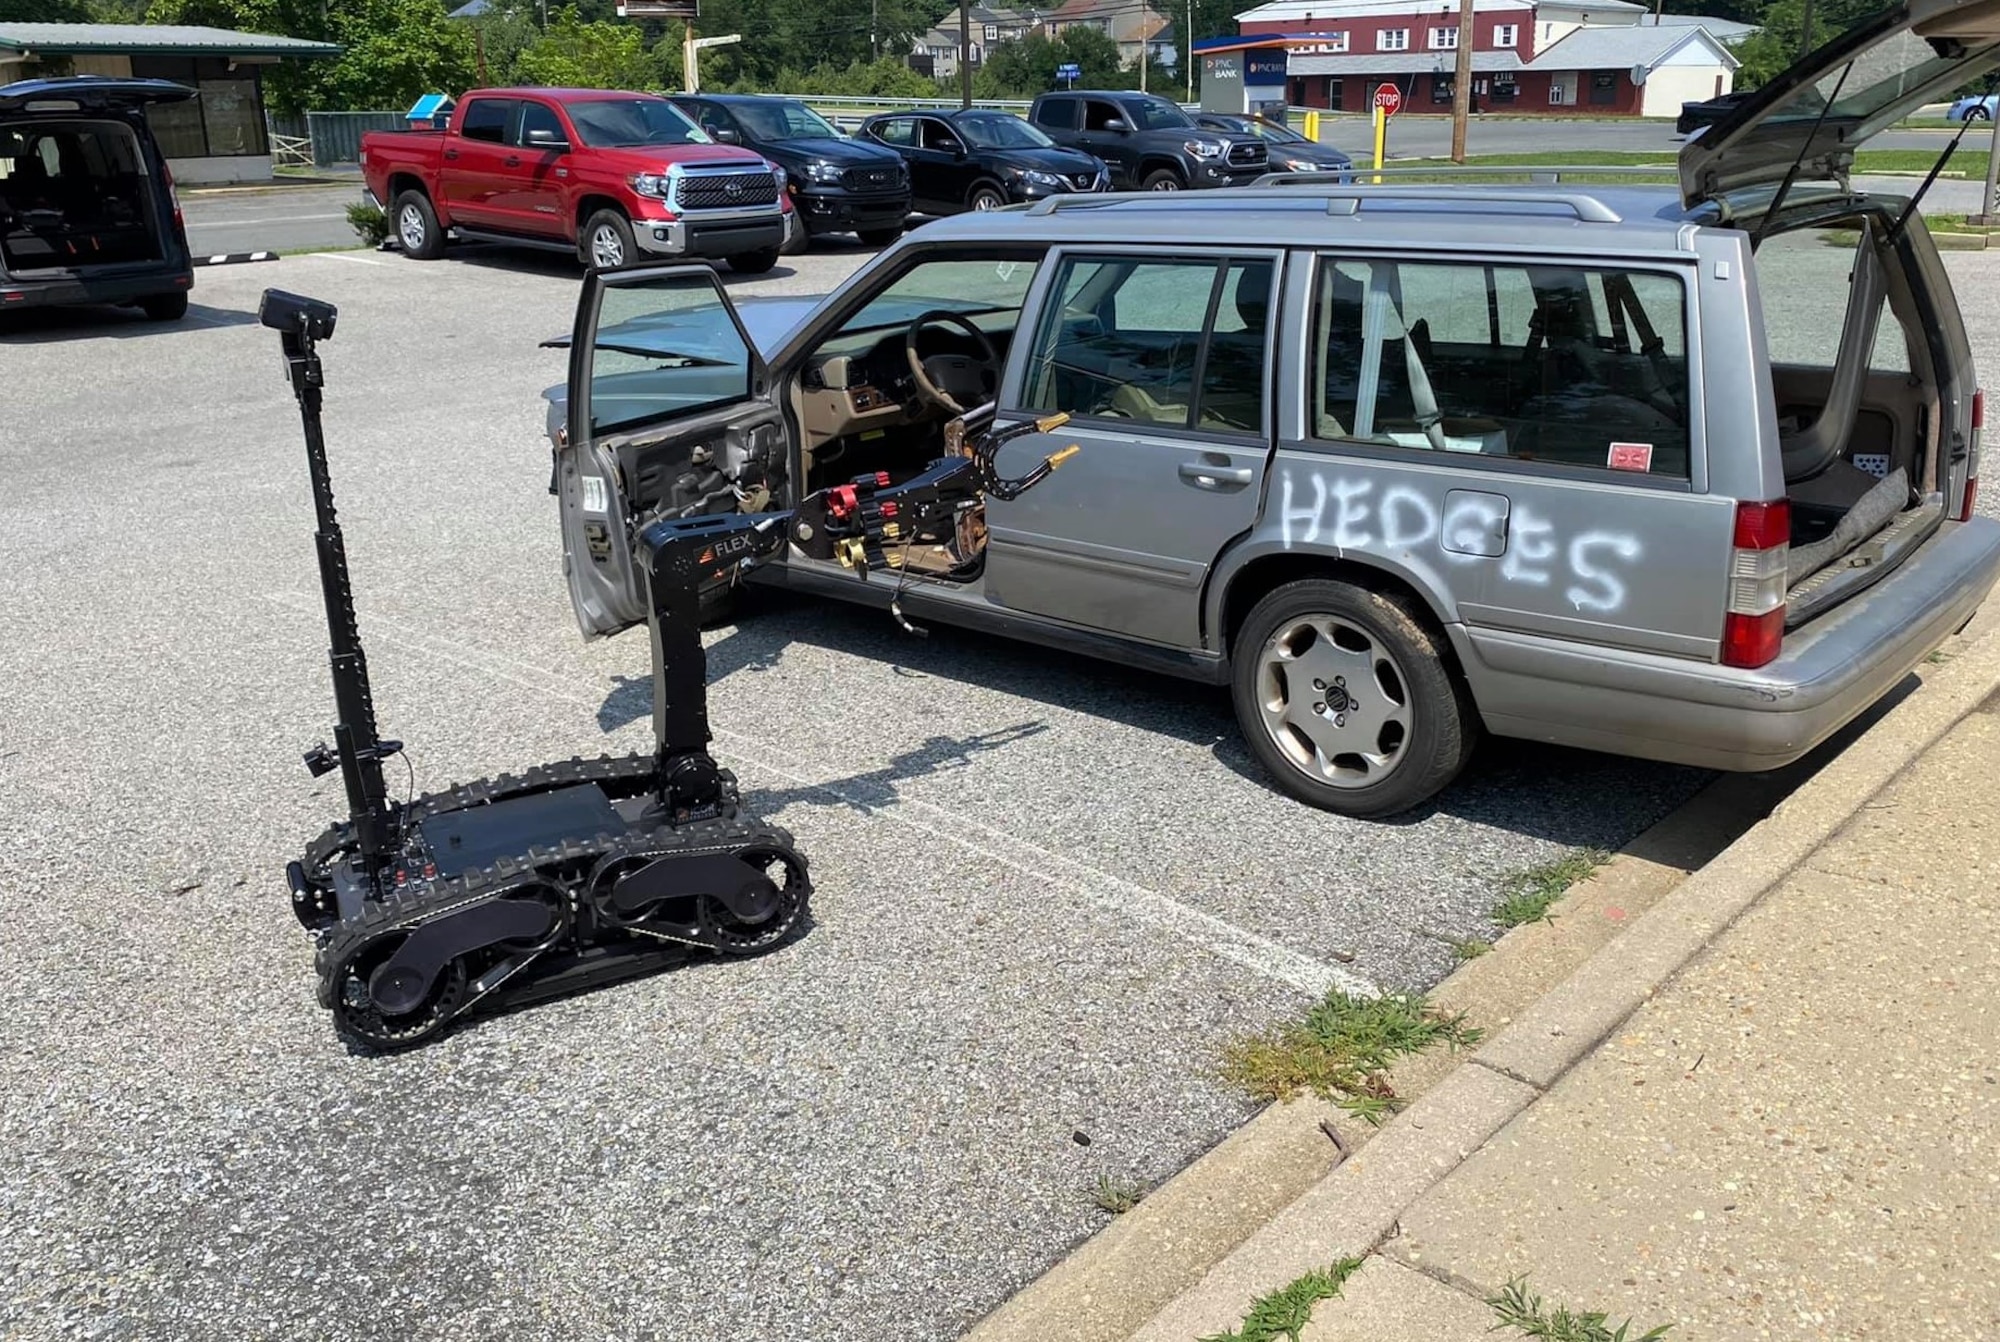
1782	37
396	51
45	11
575	54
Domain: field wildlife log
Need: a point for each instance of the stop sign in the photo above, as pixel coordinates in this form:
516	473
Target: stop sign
1388	99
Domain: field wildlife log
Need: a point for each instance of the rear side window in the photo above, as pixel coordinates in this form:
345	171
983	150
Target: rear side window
486	119
1166	343
1570	365
895	132
1059	112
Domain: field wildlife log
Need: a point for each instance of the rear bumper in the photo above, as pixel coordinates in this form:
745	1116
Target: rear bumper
16	294
1716	717
711	236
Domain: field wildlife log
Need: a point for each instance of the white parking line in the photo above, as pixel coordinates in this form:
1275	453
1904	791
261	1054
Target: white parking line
342	256
1260	954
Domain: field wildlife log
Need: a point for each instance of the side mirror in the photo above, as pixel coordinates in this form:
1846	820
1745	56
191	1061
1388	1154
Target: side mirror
726	137
547	139
1118	126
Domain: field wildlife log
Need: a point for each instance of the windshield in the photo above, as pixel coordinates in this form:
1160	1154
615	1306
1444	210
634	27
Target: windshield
1001	132
1156	114
783	121
612	123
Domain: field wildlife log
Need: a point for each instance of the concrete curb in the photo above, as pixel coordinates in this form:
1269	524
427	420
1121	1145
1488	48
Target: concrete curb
1358	1204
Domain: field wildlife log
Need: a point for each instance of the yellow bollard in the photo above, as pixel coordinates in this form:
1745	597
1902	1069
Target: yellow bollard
1381	133
1312	127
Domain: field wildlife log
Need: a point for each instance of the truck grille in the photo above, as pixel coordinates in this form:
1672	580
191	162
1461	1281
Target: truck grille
726	190
1243	155
870	179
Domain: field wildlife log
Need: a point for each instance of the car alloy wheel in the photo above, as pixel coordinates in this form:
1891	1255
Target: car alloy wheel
1334	700
607	249
410	227
986	198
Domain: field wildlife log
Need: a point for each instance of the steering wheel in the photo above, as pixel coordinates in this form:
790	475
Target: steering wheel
951	380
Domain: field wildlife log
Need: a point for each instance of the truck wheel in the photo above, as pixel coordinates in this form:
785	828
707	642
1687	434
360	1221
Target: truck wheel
986	196
606	241
417	227
1161	179
1348	700
754	263
165	307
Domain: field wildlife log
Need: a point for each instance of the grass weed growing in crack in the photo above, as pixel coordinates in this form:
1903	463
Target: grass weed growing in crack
1526	896
1525	1313
1116	1195
1285	1312
1340	1049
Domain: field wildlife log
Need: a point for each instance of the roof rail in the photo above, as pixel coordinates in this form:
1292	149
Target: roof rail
1348	199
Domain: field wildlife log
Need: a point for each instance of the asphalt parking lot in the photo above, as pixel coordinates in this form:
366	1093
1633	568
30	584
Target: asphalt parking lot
1048	889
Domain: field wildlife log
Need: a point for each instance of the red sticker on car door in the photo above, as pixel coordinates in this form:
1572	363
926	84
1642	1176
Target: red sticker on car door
1631	457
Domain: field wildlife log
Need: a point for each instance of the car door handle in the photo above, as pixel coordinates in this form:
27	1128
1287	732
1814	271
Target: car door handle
512	160
451	153
1214	477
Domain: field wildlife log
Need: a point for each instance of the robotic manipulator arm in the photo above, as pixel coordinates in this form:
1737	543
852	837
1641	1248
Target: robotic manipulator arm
855	523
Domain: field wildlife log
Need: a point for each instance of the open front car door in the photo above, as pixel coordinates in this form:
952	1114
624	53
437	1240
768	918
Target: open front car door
669	415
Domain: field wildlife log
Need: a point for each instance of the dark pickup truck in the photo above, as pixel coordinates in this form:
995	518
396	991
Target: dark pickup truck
1150	143
613	177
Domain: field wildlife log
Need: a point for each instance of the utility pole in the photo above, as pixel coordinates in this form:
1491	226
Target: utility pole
1187	50
1989	207
1461	83
874	20
965	53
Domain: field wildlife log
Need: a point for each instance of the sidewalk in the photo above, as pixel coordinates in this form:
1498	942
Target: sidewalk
1768	1108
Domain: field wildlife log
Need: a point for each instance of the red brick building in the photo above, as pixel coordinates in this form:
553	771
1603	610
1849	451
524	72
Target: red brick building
1556	56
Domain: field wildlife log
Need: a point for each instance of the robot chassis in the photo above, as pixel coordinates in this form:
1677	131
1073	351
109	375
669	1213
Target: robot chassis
569	876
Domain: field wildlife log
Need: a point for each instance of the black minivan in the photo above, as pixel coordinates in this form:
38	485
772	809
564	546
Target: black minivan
88	212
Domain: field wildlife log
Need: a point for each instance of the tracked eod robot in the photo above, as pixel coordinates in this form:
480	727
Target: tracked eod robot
571	875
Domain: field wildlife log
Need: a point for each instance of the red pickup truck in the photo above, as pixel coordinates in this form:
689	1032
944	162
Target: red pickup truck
614	177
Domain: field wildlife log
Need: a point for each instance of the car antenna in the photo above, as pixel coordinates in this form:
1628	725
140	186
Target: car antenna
1792	173
1896	229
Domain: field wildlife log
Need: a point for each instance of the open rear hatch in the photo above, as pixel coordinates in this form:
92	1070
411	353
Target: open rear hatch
76	181
1822	107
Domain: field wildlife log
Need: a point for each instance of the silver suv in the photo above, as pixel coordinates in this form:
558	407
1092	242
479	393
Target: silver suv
1682	475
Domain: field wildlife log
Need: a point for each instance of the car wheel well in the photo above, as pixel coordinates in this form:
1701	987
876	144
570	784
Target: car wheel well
1260	577
979	182
590	205
403	181
1149	166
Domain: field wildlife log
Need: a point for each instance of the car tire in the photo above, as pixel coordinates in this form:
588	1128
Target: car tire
754	263
1162	179
1977	114
1314	638
418	232
164	307
985	196
606	241
799	241
879	237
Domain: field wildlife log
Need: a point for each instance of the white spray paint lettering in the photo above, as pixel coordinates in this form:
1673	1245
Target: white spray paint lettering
1342	508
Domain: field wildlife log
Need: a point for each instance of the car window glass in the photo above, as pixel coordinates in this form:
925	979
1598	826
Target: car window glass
897	132
1123	339
1575	366
1096	114
664	348
784	121
537	116
1804	277
1060	113
486	119
607	123
937	135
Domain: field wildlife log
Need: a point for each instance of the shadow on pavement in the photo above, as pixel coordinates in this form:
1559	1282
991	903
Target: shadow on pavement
35	325
1523	787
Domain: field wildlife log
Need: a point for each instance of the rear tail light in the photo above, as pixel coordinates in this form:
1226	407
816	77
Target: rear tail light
1754	627
1972	460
